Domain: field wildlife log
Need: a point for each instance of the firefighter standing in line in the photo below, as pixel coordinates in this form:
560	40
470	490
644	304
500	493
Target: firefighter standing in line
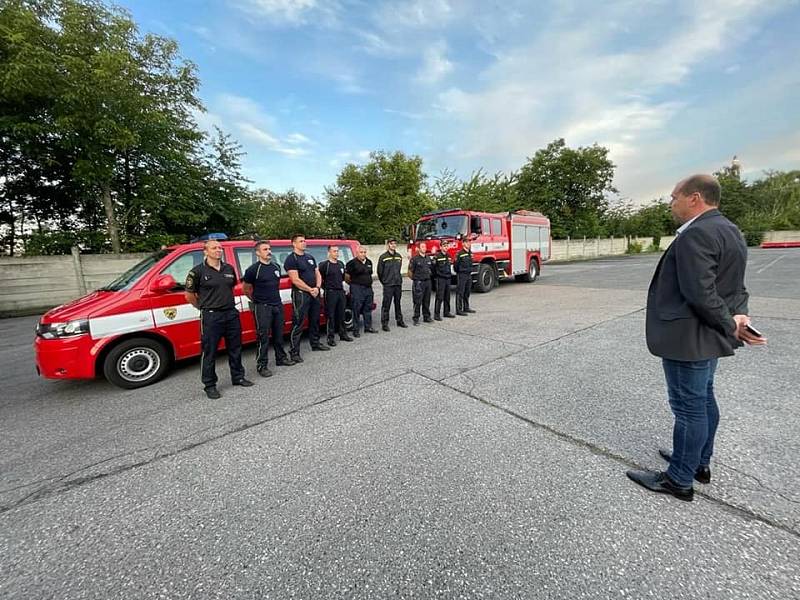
444	274
358	273
332	271
261	283
390	264
420	271
463	269
306	282
209	288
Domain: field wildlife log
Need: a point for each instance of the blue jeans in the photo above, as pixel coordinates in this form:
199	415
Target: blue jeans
690	385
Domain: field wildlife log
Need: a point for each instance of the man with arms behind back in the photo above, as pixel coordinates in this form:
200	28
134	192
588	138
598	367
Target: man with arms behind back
696	313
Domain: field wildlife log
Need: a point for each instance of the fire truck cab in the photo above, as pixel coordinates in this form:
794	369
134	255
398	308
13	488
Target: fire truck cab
504	245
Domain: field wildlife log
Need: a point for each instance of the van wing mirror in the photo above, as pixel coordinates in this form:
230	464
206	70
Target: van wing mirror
406	232
163	284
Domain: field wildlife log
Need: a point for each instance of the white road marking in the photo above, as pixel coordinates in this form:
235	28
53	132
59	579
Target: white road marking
769	264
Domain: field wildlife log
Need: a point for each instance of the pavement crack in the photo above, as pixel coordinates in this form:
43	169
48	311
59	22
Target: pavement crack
606	453
64	483
761	485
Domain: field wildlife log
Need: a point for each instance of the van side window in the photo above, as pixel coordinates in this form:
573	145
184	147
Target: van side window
180	267
485	230
247	256
496	227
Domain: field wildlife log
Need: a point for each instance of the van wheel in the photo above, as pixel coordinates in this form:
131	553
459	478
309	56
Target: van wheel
348	316
532	274
136	363
486	278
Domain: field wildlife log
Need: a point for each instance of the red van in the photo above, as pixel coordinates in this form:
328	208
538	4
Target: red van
134	329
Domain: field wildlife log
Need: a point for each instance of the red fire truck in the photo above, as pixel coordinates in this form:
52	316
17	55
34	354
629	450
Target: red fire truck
133	329
513	244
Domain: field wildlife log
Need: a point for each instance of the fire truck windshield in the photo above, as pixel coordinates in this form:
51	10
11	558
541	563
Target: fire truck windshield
449	226
132	275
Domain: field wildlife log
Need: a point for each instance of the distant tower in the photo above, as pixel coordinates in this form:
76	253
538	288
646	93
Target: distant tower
736	167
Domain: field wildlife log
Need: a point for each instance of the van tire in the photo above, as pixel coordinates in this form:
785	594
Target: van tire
136	362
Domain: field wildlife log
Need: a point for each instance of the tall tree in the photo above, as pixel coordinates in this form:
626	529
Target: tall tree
373	202
569	185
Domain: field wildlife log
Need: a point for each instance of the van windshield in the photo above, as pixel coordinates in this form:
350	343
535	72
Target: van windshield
449	226
135	273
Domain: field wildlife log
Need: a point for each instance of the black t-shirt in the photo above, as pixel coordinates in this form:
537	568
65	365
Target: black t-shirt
360	273
214	288
421	267
305	265
266	281
332	275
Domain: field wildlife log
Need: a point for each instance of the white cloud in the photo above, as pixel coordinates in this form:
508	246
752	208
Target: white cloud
256	134
297	138
435	65
576	80
415	14
281	11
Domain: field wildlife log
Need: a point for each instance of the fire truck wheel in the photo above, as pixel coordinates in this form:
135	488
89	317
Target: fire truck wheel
486	278
136	363
532	274
348	317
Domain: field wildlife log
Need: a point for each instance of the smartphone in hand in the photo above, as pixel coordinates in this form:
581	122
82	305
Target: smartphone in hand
753	330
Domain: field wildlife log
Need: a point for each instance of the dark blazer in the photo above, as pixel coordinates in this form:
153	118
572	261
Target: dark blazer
696	289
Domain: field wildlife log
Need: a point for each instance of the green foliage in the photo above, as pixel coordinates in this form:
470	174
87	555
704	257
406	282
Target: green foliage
97	132
569	186
634	247
373	202
481	192
753	238
654	246
279	216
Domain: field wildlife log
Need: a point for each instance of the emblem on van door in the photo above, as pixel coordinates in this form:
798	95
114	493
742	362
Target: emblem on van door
170	313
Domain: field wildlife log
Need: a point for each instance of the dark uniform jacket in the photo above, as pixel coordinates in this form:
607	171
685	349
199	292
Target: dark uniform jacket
696	289
443	265
360	273
389	265
463	261
214	288
421	268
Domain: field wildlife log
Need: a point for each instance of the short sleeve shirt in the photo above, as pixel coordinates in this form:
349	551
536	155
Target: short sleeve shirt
214	288
266	281
333	276
305	265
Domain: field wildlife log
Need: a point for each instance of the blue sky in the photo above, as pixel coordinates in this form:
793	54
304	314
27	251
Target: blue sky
671	87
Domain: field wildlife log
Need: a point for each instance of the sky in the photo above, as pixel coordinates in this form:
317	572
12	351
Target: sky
670	87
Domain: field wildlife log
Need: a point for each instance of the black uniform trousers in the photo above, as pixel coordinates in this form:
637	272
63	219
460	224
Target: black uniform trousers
304	305
215	325
334	310
463	291
391	293
442	295
269	319
363	298
421	295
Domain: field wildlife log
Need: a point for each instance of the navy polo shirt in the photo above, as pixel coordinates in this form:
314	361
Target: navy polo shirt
305	265
266	281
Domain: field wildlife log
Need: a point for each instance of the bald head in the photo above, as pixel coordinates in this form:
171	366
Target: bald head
706	185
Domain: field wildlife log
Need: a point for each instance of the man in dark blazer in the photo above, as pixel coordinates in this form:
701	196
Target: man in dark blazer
696	313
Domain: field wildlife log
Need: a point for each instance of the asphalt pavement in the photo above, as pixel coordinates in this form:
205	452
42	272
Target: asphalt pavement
478	457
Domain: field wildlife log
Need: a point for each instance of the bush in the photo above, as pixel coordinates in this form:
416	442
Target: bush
753	238
634	247
654	247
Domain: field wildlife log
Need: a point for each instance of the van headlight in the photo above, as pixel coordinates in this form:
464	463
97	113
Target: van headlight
50	331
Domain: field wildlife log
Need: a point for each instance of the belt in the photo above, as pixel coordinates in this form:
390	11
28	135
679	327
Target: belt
211	310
